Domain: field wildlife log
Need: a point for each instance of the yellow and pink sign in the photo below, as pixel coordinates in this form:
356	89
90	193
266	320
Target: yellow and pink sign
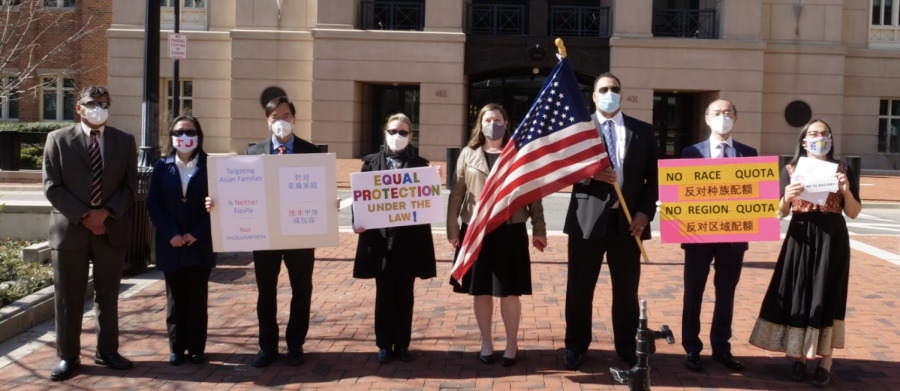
719	200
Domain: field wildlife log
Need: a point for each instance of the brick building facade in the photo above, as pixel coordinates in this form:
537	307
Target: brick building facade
48	92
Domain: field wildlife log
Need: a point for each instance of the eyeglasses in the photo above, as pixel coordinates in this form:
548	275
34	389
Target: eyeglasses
93	105
286	118
403	133
814	133
189	133
614	89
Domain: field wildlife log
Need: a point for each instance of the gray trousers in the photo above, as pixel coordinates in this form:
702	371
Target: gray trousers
70	276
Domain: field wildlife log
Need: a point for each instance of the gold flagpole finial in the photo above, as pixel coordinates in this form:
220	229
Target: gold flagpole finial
561	47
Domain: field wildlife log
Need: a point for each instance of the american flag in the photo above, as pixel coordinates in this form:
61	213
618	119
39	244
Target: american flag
555	146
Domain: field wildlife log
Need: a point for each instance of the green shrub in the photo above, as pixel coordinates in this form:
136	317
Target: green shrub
35	127
27	278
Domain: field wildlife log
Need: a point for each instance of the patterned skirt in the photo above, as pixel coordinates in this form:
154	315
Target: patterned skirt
803	311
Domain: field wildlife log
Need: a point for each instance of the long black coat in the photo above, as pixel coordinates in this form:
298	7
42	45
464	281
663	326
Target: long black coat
413	247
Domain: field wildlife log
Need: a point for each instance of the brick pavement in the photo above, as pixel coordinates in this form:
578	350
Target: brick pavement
342	353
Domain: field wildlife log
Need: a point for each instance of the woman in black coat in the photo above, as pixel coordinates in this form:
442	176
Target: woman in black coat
395	256
184	251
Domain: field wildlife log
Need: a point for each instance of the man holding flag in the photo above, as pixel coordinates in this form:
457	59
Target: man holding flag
597	224
555	146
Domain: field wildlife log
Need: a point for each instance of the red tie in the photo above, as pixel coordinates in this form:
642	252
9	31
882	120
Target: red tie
724	147
281	150
96	169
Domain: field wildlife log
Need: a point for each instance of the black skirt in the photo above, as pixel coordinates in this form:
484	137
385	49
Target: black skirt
803	311
503	267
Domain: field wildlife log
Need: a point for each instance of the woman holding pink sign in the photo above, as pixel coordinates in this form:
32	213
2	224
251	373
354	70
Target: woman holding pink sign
503	269
803	311
394	257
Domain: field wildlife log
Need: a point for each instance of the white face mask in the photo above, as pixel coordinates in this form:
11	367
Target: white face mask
397	142
96	116
281	128
819	146
721	124
185	144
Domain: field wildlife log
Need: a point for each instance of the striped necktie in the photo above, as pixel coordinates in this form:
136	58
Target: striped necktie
724	147
281	150
96	169
609	133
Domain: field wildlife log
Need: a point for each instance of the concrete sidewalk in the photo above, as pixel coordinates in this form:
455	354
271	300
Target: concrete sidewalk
342	353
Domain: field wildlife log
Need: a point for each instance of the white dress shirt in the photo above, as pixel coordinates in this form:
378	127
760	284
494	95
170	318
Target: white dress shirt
87	138
619	121
715	147
186	171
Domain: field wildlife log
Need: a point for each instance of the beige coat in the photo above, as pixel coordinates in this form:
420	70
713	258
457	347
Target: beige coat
471	174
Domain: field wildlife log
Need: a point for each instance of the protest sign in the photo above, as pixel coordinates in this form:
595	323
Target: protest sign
273	202
817	177
397	198
719	200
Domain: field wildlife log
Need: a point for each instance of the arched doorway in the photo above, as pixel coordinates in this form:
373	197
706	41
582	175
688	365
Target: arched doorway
515	90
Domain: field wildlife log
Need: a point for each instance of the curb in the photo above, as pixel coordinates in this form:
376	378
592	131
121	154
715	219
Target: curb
21	189
32	310
881	205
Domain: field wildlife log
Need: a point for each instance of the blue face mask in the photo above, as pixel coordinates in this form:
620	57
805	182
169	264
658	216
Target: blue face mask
608	102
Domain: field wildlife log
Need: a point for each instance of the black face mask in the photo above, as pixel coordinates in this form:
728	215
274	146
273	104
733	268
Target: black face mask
494	131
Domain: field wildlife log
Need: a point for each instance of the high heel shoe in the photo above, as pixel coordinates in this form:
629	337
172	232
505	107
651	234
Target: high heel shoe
823	377
798	371
507	362
489	359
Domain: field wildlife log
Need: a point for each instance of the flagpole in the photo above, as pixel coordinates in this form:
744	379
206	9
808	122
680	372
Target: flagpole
562	52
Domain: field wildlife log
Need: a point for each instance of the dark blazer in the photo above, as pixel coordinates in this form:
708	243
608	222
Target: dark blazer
70	192
173	212
413	246
588	206
265	147
701	151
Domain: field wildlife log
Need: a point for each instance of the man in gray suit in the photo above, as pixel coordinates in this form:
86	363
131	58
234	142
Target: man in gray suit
89	222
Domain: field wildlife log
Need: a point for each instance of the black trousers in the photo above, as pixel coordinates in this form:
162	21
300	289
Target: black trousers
187	293
585	258
393	310
267	265
70	276
728	266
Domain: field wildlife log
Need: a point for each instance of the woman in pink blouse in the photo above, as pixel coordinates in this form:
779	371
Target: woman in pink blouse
803	311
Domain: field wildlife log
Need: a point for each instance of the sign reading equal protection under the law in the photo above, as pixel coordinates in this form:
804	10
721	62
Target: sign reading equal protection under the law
719	200
273	202
397	198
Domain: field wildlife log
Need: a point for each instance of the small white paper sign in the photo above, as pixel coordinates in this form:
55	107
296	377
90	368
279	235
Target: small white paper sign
303	207
397	198
242	212
813	170
178	46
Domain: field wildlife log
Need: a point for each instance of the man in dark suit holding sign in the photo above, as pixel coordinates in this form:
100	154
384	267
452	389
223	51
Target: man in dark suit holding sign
596	224
90	223
721	116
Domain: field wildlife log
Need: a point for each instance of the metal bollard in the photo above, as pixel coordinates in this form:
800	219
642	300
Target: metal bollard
783	160
10	150
638	378
854	164
452	157
323	148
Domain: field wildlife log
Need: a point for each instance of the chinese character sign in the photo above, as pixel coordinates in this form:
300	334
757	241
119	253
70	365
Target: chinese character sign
719	200
273	202
397	198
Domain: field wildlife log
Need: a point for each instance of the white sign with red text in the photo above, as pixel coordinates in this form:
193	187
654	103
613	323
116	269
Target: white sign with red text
177	46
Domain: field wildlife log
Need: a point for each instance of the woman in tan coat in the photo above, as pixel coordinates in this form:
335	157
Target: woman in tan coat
503	268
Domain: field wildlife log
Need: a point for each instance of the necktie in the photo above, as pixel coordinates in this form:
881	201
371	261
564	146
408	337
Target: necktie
96	169
609	133
724	147
281	150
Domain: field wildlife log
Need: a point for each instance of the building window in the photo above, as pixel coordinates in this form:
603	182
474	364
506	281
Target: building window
9	2
58	3
883	32
193	14
405	15
9	100
186	96
58	99
889	126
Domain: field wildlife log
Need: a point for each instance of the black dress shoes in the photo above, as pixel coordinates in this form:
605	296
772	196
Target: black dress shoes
507	362
798	371
176	359
405	355
113	361
572	360
384	356
198	358
823	377
263	359
728	360
65	369
488	360
692	361
295	357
